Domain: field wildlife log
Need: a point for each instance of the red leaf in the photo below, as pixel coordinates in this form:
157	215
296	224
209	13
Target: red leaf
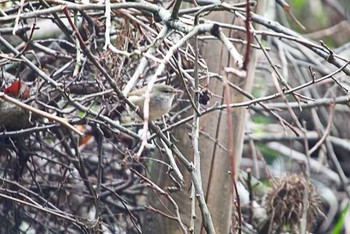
18	89
13	89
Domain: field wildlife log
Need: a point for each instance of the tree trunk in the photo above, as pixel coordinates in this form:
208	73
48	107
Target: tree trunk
213	146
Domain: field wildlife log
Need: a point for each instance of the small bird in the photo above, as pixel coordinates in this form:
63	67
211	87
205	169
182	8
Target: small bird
161	98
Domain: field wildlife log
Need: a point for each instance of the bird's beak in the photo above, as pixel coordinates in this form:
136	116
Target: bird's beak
178	92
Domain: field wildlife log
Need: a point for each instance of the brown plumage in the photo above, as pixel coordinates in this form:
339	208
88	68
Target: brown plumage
161	98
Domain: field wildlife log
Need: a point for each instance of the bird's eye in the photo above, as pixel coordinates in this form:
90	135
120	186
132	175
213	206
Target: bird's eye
166	91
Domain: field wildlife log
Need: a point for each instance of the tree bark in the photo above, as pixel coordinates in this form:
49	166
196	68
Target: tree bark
213	146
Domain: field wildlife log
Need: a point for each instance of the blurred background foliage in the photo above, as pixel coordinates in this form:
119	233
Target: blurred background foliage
326	21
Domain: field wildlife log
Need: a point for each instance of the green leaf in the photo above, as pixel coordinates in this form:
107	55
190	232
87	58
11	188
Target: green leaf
299	4
339	225
269	154
260	119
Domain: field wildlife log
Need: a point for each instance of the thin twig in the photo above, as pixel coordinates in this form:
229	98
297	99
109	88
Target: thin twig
162	192
24	106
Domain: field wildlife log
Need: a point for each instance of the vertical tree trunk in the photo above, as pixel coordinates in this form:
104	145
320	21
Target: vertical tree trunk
214	141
